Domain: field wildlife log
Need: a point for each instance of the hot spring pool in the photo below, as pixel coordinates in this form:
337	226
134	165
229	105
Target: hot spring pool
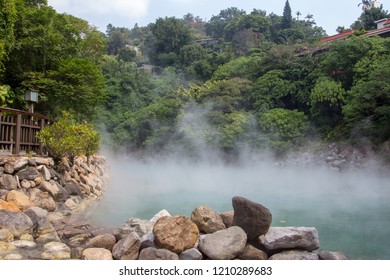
351	210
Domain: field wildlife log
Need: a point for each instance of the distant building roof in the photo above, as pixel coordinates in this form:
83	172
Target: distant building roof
337	36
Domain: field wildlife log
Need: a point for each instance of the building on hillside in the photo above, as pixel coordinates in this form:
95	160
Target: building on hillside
383	30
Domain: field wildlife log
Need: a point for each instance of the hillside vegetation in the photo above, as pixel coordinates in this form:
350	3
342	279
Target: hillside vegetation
253	80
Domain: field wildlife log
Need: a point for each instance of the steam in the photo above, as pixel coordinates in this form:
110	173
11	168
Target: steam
348	208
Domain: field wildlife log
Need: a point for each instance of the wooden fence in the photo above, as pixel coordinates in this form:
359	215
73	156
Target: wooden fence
18	131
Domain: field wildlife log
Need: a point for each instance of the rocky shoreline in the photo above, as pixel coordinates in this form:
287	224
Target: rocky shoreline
38	200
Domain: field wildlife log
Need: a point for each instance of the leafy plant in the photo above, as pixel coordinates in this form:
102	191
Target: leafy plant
66	138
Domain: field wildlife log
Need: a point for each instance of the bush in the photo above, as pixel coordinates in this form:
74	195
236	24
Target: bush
283	128
66	138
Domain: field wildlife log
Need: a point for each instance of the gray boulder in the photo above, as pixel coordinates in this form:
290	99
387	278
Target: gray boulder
294	255
157	254
138	226
207	220
252	253
326	255
283	238
127	248
8	182
225	244
191	254
17	222
29	173
253	218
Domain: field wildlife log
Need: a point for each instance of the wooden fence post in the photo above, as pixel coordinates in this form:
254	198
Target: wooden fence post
18	133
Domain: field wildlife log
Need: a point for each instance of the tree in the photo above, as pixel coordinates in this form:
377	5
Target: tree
8	15
287	16
367	112
169	36
216	26
367	19
327	99
283	128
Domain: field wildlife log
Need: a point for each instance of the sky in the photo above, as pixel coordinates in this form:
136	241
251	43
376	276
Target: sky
125	13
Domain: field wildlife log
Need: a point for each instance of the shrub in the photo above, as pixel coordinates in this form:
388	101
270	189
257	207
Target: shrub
66	138
283	128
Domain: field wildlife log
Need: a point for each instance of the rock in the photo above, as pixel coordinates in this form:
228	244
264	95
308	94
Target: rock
326	255
48	237
162	213
6	235
8	182
21	163
253	218
44	227
96	254
191	254
72	189
45	172
50	187
25	184
106	241
138	226
79	240
127	248
17	222
13	257
8	168
4	205
252	253
36	213
43	200
294	255
55	251
44	161
29	173
3	194
157	254
24	244
227	218
224	244
207	220
6	247
176	233
282	238
27	237
20	199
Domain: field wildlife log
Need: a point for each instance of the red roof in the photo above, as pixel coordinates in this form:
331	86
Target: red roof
387	22
337	36
377	31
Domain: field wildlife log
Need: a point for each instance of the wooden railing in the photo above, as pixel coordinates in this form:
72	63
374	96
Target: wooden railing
18	131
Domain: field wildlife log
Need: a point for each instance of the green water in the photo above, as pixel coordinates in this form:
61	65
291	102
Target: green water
351	211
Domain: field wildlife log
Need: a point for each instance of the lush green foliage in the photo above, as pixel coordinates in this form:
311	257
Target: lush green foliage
66	138
253	80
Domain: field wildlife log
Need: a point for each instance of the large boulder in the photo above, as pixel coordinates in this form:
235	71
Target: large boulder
176	233
207	220
106	241
127	248
20	164
55	251
50	187
138	226
252	253
227	218
9	206
284	238
8	182
192	254
253	218
96	254
29	173
6	235
157	254
294	255
225	244
20	199
43	200
36	213
17	222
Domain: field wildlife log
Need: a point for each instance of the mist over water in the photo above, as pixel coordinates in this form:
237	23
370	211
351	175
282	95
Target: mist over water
351	210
